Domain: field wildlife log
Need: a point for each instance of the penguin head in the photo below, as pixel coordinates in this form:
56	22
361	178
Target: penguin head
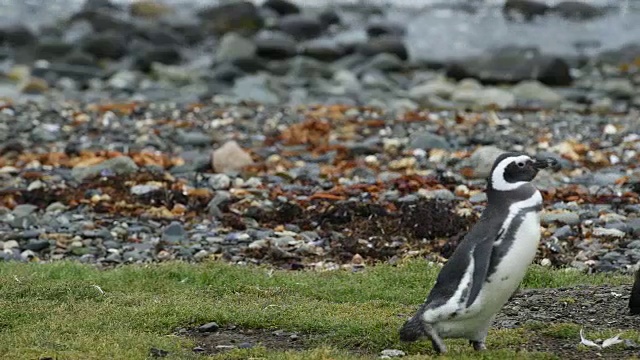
511	170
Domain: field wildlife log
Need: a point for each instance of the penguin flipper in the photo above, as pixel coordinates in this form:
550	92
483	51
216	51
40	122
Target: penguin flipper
482	255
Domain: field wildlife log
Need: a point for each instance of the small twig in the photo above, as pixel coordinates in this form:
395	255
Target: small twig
16	278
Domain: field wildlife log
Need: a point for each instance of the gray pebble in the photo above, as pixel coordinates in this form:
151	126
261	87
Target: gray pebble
569	218
427	140
219	181
121	165
478	198
174	233
23	210
209	327
564	232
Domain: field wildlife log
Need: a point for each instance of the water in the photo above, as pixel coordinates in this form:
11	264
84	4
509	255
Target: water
432	33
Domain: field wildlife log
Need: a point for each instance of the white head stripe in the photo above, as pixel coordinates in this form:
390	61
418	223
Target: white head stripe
497	176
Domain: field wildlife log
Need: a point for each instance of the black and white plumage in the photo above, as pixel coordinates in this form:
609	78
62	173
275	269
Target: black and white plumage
489	263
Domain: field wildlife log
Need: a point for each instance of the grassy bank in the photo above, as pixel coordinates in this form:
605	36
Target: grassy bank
72	311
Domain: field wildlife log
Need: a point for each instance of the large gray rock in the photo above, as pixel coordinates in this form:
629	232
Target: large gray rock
536	92
510	65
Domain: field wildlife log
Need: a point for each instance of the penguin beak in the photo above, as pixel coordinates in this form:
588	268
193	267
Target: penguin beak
543	163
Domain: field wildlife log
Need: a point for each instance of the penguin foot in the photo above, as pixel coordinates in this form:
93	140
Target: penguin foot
436	341
478	345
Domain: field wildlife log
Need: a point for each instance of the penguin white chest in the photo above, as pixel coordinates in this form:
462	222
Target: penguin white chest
512	268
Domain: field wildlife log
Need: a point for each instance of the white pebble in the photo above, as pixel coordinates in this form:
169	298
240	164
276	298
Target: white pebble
610	129
11	244
545	262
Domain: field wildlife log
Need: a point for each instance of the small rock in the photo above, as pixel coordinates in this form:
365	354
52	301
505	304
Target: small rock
440	194
378	28
107	45
275	47
154	352
564	217
230	157
11	244
150	9
209	327
144	189
121	165
438	87
427	140
23	210
34	86
383	62
242	17
483	97
255	88
219	181
329	17
385	44
392	353
37	245
323	50
174	233
301	26
193	138
618	88
604	232
233	47
163	54
281	7
577	10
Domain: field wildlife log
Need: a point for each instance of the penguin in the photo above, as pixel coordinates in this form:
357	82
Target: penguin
634	299
490	262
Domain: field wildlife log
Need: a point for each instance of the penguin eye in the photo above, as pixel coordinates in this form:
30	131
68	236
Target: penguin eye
520	164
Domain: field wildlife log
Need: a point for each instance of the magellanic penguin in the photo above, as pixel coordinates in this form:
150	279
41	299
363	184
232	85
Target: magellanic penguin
489	263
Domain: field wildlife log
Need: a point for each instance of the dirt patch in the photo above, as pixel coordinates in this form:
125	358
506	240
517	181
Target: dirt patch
233	337
544	314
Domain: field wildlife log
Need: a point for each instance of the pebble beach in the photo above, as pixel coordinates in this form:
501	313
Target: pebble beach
322	137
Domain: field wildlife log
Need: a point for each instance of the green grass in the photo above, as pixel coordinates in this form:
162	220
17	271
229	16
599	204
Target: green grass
54	309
